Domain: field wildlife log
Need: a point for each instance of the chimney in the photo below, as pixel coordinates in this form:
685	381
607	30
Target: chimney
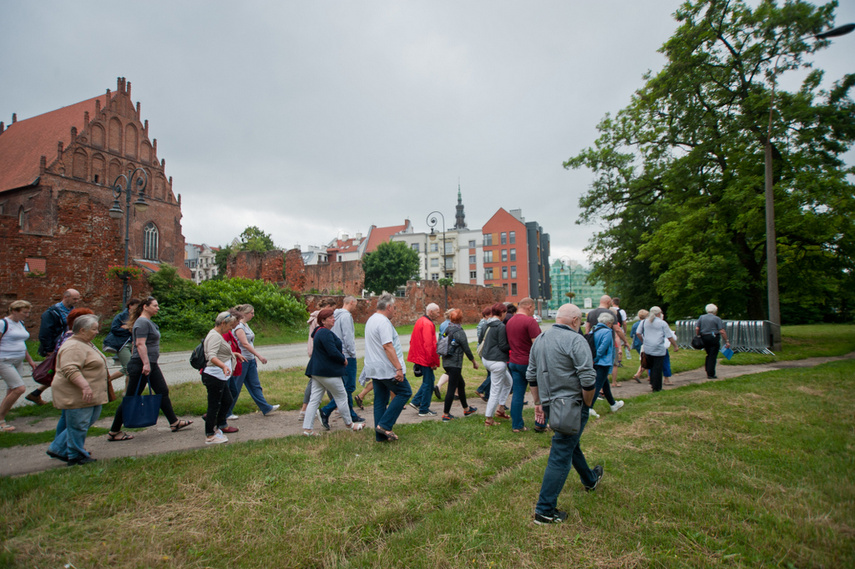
2	127
128	91
138	103
14	118
145	127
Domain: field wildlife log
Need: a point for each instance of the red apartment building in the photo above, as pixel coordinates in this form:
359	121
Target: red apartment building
516	256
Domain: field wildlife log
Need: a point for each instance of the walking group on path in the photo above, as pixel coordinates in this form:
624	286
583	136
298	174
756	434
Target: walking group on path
565	369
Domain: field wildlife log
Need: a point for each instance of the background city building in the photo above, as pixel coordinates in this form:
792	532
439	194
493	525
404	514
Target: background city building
569	276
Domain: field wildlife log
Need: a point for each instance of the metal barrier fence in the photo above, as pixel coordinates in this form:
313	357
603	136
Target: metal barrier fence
745	335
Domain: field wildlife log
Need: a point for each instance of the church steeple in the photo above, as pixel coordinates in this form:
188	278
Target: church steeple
460	222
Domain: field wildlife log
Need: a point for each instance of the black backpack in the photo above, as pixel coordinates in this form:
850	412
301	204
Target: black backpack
197	358
592	344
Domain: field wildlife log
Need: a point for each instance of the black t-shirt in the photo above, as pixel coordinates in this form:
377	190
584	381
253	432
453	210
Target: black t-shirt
594	314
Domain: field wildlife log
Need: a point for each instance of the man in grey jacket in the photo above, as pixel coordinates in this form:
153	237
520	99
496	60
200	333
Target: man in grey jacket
560	365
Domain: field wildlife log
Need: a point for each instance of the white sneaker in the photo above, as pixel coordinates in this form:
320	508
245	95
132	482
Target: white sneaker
218	439
232	417
357	426
275	407
616	406
594	414
302	415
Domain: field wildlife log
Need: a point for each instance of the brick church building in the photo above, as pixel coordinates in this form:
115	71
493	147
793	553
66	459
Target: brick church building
56	175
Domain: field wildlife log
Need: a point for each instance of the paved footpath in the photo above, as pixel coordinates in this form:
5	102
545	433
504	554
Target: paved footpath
159	439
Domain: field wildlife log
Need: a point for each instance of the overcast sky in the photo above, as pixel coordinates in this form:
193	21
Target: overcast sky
310	119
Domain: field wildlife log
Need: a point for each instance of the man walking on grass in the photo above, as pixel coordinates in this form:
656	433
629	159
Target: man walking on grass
384	365
560	365
423	353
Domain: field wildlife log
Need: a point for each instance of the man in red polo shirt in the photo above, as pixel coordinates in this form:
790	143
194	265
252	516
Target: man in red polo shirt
522	329
423	353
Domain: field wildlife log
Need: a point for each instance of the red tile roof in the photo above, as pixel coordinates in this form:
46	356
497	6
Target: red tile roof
346	245
24	142
378	235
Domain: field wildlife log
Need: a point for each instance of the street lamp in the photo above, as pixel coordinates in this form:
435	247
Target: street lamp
771	239
431	221
139	205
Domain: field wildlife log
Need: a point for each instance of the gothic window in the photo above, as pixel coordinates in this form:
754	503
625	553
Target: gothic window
150	238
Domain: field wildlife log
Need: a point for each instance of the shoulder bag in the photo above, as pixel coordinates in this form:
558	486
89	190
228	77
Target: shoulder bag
141	410
565	413
480	347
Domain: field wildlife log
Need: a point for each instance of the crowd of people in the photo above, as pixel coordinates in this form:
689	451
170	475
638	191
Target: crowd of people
561	364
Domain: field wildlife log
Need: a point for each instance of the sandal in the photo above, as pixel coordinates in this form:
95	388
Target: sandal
502	415
358	400
388	434
636	378
6	427
524	429
616	385
490	422
180	425
120	436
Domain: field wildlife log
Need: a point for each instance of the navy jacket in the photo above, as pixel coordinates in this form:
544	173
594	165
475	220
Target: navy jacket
327	358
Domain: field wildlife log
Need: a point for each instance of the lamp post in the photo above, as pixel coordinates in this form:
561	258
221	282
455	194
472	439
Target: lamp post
771	238
127	180
431	221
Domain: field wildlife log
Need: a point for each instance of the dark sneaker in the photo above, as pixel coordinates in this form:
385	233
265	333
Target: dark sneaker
470	411
80	460
325	419
413	405
598	471
57	456
556	517
447	418
427	413
35	397
358	419
437	392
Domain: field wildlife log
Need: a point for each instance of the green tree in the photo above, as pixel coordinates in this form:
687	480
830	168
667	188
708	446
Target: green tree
679	172
221	259
389	266
254	239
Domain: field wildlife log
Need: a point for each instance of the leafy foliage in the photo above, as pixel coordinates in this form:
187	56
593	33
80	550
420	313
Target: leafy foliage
186	307
391	265
254	239
680	179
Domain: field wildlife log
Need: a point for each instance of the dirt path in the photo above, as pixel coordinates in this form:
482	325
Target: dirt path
159	439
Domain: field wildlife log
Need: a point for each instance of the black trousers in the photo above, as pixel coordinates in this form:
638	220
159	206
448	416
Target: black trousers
655	363
711	347
219	402
455	383
137	383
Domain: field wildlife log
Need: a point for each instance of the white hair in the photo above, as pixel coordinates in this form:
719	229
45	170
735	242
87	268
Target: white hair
606	318
711	308
654	312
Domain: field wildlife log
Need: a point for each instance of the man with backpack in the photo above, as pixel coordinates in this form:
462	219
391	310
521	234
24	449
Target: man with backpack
54	324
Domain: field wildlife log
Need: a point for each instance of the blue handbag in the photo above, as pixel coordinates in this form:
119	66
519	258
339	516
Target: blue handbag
141	410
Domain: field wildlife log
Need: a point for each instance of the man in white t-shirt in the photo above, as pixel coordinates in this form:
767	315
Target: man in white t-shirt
384	364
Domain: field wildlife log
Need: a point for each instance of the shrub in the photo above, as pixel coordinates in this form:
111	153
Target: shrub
190	308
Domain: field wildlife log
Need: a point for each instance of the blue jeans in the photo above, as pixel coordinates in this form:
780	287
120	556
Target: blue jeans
425	392
71	431
565	452
349	380
249	377
385	413
484	388
603	383
520	385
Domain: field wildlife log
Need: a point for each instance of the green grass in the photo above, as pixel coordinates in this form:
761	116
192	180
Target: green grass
747	472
